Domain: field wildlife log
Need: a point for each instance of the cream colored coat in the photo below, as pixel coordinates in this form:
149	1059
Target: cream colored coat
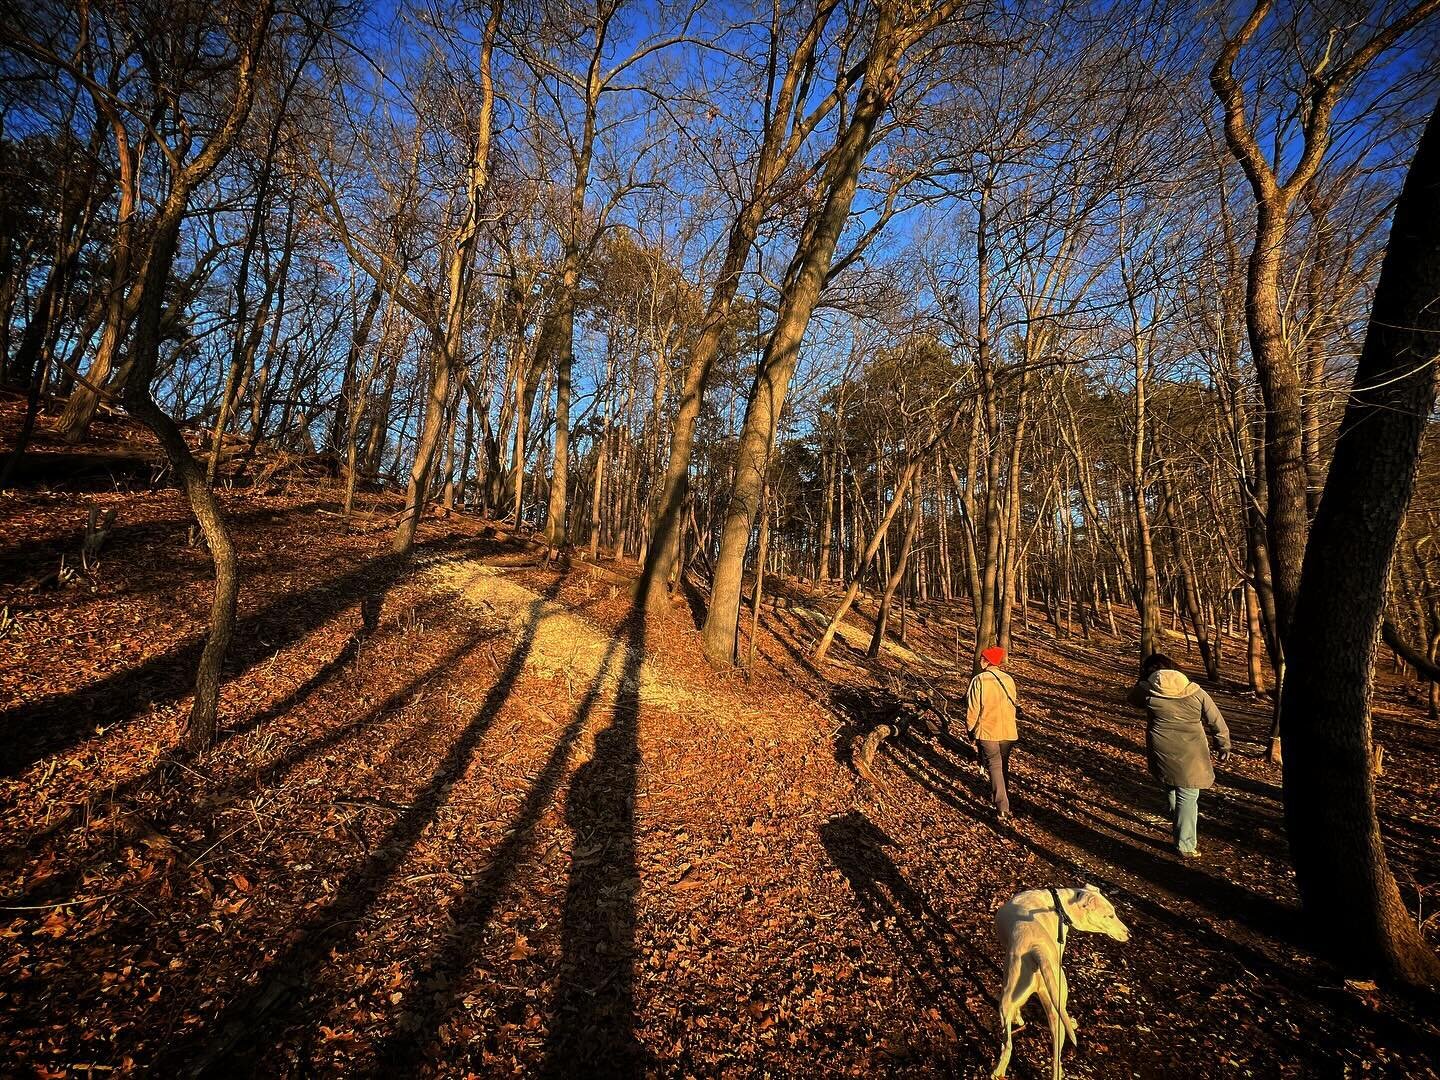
990	706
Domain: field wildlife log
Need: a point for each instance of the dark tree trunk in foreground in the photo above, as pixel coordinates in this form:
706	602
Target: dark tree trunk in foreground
1345	882
1286	476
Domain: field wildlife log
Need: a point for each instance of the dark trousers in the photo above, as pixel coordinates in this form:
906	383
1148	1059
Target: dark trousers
997	760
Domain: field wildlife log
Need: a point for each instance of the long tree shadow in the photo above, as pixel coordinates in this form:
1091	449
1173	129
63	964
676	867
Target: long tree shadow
960	788
167	767
1127	788
1226	901
593	1008
915	932
21	560
696	601
52	724
1103	840
592	1014
257	777
783	628
239	1038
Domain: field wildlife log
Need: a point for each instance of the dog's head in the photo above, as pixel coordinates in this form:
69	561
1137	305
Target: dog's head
1091	911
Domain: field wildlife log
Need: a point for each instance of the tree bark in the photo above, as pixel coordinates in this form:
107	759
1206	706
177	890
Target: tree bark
1335	841
803	283
774	153
882	527
1287	512
449	335
762	553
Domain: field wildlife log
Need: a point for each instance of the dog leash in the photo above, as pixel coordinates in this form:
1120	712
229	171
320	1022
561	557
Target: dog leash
1064	918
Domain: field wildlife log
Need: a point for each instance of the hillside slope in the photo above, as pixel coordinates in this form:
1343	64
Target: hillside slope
470	816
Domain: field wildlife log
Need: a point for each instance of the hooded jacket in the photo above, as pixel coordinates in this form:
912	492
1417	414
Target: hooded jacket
1179	714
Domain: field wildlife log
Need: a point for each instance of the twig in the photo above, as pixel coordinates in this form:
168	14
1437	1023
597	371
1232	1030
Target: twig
60	904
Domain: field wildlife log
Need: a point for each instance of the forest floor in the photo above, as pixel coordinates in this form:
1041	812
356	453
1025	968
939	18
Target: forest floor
468	816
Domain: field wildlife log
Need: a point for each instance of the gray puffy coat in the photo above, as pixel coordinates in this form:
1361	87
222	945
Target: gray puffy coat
1179	713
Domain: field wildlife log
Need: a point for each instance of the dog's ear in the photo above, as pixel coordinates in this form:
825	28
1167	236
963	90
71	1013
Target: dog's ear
1090	899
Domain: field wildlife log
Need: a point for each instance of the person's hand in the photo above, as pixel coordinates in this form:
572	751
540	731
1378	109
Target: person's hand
1223	756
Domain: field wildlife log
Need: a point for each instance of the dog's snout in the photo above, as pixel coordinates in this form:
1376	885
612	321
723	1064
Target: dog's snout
1121	932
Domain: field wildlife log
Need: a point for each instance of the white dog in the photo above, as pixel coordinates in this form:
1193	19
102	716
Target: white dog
1034	926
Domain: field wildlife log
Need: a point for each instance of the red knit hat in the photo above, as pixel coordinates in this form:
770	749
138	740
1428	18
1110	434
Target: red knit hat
994	656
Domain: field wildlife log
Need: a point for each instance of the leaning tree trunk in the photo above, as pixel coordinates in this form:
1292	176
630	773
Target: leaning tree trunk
777	145
882	527
1345	883
664	540
803	283
897	574
418	490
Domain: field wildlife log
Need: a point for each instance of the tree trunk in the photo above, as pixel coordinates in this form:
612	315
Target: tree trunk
897	573
599	486
200	731
377	435
762	552
1011	562
778	145
803	283
418	491
144	356
827	517
985	630
448	336
121	299
1335	842
853	589
357	407
337	438
660	557
1287	519
1255	645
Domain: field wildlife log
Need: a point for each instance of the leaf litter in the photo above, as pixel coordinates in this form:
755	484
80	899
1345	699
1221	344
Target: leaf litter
499	828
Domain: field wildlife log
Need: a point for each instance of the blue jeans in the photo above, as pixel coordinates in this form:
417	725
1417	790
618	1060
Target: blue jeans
1184	814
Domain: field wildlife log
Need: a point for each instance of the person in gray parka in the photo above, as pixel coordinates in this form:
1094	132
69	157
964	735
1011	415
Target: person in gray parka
1179	716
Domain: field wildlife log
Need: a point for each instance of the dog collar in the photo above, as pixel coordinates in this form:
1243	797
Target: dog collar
1065	920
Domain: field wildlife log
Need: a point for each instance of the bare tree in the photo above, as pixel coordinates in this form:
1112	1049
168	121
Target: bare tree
1330	69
